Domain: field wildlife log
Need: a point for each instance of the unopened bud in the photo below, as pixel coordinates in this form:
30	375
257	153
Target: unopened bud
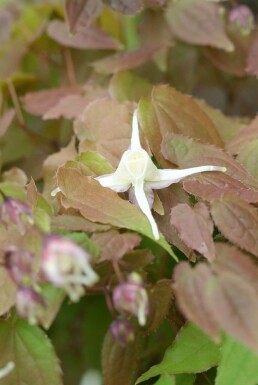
242	19
29	304
122	332
13	211
66	265
20	265
131	297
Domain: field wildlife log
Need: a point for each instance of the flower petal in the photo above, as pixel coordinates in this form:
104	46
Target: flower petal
165	178
144	206
112	182
135	139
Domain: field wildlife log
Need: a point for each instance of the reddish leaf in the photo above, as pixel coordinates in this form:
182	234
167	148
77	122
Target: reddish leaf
160	298
81	11
210	187
129	7
168	112
114	245
125	60
252	60
246	135
234	306
54	161
119	363
231	259
92	37
190	288
187	152
156	3
8	291
198	22
170	197
71	106
238	221
234	62
105	127
194	227
39	102
6	120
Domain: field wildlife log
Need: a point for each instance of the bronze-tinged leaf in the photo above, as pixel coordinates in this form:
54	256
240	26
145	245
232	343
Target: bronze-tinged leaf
54	161
137	259
40	102
187	152
210	187
100	204
168	111
114	245
252	60
81	11
198	22
230	258
76	223
246	135
6	120
227	127
125	60
160	298
128	7
92	37
119	363
190	287
234	305
194	226
233	63
237	221
170	197
73	105
105	127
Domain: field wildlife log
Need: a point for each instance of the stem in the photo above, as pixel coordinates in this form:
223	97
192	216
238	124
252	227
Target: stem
70	67
117	271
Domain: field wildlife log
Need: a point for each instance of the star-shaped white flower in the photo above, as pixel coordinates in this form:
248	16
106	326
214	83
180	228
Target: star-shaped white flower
137	173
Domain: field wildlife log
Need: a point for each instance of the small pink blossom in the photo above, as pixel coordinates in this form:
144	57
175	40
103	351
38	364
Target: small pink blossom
131	297
242	18
29	304
66	265
13	211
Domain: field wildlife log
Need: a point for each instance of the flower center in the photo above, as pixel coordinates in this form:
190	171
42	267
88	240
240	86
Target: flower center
136	163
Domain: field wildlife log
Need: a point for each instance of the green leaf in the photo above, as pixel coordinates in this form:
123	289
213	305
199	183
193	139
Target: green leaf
185	379
239	364
95	162
166	379
32	353
127	86
191	352
54	298
85	242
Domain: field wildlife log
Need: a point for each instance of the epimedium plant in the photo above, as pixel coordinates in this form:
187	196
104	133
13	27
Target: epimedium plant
129	192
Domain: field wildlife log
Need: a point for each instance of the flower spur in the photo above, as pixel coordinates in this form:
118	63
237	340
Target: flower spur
137	173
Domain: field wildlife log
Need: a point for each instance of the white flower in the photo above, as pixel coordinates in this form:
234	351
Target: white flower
137	172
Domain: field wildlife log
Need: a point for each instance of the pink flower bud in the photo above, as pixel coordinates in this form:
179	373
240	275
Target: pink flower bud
122	331
66	265
13	211
20	264
29	304
242	18
132	298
